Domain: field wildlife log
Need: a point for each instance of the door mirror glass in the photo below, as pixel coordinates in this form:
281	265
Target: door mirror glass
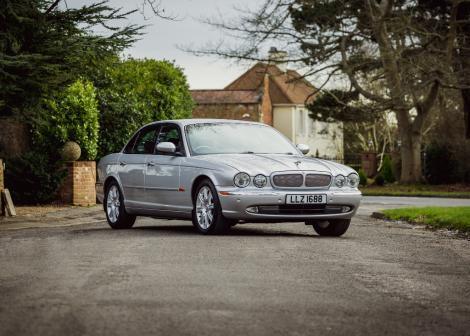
166	147
303	148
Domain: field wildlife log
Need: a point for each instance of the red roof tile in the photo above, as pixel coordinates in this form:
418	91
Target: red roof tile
226	96
285	87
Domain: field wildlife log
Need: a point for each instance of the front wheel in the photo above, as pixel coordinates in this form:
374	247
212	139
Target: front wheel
207	211
332	227
116	213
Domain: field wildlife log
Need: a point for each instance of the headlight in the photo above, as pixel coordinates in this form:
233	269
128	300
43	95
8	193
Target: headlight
340	181
260	181
353	180
241	180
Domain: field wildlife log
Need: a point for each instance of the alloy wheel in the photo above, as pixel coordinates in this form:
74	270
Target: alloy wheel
205	207
113	204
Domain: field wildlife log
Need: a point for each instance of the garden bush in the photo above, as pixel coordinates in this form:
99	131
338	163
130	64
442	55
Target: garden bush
440	165
70	115
33	178
134	92
387	170
362	177
379	180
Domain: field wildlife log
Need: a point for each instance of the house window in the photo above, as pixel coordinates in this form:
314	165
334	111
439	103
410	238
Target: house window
303	122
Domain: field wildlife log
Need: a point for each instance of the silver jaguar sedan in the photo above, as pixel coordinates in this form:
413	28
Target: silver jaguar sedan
219	173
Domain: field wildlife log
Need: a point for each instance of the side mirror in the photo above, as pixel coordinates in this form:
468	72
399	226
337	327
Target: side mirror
303	148
166	147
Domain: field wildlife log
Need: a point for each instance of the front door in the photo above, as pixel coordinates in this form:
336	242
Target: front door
133	164
162	179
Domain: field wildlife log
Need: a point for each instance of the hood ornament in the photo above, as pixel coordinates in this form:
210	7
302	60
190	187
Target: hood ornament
297	163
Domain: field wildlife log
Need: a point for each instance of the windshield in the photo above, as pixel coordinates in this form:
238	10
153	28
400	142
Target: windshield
236	138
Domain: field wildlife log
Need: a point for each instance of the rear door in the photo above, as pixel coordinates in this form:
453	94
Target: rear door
133	164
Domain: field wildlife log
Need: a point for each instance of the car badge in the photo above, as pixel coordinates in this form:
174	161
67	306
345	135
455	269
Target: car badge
297	163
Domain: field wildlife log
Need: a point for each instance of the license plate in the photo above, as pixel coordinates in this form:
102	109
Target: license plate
305	199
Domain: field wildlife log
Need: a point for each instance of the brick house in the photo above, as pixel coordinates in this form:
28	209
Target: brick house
276	96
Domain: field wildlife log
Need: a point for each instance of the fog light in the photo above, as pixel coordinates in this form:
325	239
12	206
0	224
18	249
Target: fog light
345	209
253	209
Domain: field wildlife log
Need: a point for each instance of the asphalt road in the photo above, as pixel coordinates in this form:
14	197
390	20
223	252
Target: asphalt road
161	278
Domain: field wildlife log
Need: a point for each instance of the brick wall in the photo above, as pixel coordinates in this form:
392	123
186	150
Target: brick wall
227	111
79	185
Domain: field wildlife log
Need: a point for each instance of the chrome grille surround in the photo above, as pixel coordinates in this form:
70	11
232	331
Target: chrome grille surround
317	180
301	180
288	180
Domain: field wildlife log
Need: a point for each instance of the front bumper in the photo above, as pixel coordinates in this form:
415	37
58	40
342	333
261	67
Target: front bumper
235	201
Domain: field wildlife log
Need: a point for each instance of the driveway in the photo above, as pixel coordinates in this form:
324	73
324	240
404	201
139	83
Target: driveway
265	279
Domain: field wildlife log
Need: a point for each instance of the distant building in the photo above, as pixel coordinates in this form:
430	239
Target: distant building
276	96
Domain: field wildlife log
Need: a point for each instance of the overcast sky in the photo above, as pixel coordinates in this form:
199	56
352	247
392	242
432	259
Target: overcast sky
162	37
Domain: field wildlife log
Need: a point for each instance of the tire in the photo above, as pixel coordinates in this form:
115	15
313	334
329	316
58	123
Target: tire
333	228
114	208
207	211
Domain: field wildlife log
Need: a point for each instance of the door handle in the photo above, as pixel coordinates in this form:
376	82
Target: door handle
122	164
151	164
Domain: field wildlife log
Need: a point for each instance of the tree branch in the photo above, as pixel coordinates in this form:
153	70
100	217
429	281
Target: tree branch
51	7
354	82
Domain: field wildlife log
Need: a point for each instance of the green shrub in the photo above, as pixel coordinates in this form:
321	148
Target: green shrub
440	165
387	170
134	92
33	178
379	180
70	115
362	177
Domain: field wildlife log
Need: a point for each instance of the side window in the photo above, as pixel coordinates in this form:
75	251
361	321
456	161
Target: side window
130	144
145	142
171	133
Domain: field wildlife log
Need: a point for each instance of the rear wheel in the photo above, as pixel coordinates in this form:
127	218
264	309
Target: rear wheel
116	214
332	227
207	211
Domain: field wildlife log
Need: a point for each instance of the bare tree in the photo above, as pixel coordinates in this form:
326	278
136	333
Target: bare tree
401	44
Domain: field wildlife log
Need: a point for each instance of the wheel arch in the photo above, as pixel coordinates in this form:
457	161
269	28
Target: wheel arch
108	181
196	182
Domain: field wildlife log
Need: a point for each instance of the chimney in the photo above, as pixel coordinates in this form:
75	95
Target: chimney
278	57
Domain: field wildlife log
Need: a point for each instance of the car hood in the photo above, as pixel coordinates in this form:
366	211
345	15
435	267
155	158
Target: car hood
266	164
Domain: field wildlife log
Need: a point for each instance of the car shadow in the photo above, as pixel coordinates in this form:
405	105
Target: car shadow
189	230
235	231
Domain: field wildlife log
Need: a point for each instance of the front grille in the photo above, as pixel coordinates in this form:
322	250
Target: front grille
299	209
317	180
288	180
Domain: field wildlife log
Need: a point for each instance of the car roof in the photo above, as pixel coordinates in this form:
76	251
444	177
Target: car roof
185	122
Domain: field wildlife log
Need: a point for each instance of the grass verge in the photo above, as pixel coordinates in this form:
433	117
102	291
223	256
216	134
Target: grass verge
418	190
453	218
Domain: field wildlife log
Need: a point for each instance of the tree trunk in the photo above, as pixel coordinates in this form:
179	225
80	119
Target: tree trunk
411	171
466	110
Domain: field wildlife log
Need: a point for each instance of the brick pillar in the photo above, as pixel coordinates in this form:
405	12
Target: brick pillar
369	163
79	185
